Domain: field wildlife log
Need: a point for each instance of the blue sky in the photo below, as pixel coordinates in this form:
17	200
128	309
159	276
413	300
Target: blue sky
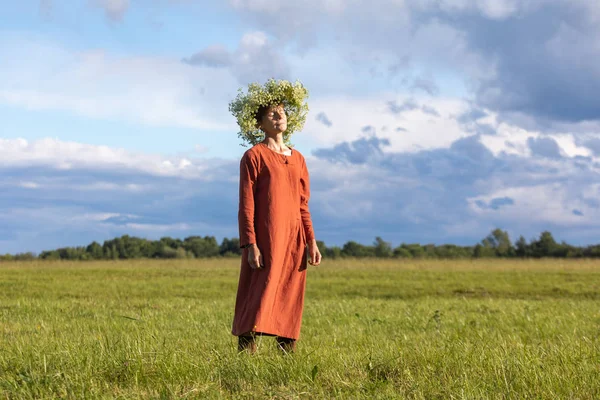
430	121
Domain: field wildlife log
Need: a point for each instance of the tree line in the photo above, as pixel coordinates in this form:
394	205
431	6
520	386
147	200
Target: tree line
496	244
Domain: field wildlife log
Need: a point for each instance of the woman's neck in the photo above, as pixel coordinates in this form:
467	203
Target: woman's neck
275	142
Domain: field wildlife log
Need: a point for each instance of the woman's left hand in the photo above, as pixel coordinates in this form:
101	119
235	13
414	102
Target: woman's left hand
314	255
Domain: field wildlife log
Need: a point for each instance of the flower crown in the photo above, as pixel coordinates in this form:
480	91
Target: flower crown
246	105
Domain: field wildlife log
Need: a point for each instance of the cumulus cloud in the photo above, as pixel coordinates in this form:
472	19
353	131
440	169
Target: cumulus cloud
411	105
532	51
357	152
322	117
496	203
489	9
459	192
90	193
397	109
46	7
360	189
402	41
426	84
544	147
213	56
368	129
62	155
430	110
564	91
441	168
114	9
255	60
533	62
594	145
98	84
286	18
353	114
472	115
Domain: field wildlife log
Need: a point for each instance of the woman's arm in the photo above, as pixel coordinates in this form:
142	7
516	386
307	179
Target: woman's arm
313	251
248	177
304	198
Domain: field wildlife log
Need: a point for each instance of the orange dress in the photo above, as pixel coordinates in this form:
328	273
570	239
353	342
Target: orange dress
274	214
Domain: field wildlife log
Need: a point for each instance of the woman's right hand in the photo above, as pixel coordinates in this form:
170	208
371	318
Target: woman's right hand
254	257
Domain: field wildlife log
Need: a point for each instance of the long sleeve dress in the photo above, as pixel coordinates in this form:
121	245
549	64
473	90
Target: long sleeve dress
274	214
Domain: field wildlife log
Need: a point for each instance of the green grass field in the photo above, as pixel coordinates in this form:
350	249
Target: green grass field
371	329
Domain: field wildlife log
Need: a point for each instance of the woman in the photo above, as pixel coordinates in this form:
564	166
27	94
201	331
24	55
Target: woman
275	230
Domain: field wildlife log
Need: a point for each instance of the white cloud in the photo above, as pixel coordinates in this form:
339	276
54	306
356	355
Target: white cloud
158	227
511	139
255	60
423	185
479	47
421	196
279	7
421	130
212	56
63	155
46	7
552	203
492	9
147	90
404	193
96	217
29	185
114	9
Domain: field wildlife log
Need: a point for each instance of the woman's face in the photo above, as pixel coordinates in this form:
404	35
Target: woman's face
274	121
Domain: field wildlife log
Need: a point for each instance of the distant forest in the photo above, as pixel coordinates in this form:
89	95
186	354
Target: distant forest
496	244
